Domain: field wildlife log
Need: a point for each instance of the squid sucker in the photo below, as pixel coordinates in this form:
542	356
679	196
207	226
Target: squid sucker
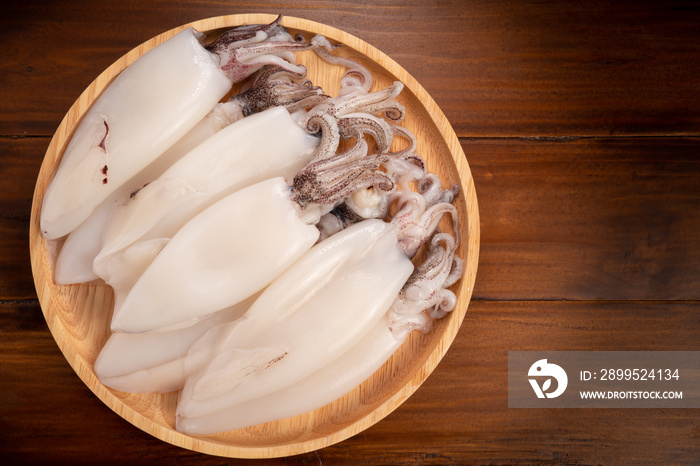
267	253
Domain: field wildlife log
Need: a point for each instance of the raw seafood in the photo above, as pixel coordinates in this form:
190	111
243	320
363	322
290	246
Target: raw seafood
145	110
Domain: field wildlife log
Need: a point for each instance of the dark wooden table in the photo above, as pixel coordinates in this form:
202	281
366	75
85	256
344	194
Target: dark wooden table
581	124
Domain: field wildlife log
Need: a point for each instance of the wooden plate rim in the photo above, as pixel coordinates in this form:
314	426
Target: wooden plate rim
42	271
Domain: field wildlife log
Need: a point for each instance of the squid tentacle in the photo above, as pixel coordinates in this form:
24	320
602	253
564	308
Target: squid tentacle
357	151
408	135
354	103
353	121
357	78
239	62
336	162
403	166
243	61
437	265
270	74
406	165
455	272
327	126
431	188
425	297
416	226
379	102
358	102
361	179
375	127
275	86
253	32
328	183
406	168
390	109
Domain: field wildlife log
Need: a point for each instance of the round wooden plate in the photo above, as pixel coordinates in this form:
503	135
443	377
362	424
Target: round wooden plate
78	315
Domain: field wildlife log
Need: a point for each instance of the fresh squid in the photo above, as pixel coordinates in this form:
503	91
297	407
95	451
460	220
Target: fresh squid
237	156
255	267
357	78
130	374
241	243
144	111
405	165
347	371
253	149
271	87
155	362
316	313
256	148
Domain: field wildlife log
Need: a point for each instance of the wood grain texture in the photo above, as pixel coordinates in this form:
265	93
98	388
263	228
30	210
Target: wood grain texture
580	125
507	68
458	416
19	162
588	218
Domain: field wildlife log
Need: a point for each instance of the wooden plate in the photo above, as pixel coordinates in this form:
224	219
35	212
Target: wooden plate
78	315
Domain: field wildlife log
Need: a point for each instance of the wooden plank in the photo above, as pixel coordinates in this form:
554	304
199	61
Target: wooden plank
47	413
459	416
509	68
588	218
19	166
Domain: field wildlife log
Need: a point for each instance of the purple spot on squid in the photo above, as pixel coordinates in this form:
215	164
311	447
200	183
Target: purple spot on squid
270	363
134	193
102	145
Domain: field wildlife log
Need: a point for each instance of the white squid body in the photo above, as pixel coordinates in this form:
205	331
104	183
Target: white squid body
75	260
139	115
316	311
225	254
261	146
155	362
318	389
